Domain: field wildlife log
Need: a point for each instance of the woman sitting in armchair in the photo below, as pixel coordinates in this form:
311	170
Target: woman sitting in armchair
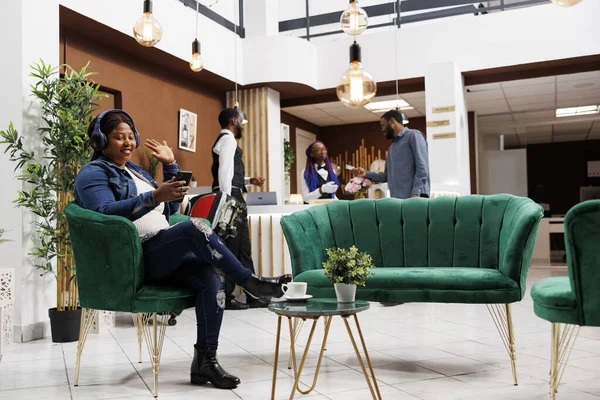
188	253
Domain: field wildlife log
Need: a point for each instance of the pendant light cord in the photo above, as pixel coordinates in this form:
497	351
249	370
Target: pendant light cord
197	4
235	5
396	47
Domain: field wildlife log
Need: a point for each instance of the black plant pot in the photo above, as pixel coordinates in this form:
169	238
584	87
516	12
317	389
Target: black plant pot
65	325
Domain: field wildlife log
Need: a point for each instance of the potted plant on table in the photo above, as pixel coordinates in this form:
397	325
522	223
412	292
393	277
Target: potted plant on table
347	269
48	173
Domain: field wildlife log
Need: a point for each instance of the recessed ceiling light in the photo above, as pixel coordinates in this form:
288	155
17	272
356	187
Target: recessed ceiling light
574	111
387	105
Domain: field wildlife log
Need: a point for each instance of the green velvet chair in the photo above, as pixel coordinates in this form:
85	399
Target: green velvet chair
573	300
110	277
470	249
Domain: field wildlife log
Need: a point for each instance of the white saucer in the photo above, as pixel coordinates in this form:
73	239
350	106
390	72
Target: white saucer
303	298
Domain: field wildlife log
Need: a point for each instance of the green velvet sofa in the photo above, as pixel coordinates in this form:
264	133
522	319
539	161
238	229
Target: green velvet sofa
469	249
572	301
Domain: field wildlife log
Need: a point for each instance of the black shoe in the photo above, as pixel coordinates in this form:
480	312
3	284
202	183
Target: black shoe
205	368
233	304
264	288
287	278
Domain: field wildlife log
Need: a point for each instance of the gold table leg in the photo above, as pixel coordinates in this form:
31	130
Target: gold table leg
293	328
360	360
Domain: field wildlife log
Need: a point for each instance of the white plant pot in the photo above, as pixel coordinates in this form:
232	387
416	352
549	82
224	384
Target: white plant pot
344	292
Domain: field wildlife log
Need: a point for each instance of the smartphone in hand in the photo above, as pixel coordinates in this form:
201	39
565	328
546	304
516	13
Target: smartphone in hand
184	176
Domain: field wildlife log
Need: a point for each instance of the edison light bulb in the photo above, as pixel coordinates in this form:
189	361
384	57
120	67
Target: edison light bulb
566	3
356	87
196	64
147	30
354	19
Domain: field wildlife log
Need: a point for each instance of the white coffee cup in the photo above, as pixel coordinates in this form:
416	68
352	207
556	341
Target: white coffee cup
294	289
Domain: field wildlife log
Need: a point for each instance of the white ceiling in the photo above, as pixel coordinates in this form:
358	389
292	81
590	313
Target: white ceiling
335	113
521	110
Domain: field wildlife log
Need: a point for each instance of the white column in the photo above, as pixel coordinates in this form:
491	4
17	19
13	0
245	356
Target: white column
447	130
275	151
30	32
261	18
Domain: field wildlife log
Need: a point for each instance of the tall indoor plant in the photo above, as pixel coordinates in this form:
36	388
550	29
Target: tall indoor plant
67	101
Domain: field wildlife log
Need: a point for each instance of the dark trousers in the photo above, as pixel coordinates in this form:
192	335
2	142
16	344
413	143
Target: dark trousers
239	247
191	254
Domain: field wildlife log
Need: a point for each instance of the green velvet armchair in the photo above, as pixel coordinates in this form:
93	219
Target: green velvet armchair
470	249
110	276
573	300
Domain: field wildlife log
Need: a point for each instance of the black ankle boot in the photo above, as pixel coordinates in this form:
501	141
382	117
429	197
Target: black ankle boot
206	368
264	288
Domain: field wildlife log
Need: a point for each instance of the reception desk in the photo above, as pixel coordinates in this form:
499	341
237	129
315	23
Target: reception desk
269	249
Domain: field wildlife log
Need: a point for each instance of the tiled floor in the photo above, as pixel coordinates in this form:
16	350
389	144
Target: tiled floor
419	351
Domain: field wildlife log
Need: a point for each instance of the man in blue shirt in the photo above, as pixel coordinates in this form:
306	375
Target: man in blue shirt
407	163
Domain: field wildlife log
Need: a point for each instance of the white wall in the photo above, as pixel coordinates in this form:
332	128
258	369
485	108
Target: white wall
503	172
24	34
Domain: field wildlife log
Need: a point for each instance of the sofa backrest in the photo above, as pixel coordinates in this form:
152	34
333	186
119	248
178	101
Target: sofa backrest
443	232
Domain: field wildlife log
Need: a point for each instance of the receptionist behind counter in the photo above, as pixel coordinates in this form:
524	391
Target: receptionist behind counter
320	182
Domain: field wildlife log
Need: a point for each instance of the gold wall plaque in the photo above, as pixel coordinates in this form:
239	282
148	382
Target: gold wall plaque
438	123
443	109
449	135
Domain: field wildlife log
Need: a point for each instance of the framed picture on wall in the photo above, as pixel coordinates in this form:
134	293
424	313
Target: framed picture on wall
188	122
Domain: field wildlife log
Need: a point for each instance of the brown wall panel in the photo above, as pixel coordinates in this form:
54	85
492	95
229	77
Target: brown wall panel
153	97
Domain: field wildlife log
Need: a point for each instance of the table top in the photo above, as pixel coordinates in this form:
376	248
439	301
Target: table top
318	308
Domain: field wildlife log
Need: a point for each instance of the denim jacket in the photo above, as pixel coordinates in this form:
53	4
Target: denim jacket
103	187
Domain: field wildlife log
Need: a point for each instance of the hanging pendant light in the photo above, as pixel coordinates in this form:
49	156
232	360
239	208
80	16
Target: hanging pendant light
354	19
356	87
237	103
196	64
147	30
566	3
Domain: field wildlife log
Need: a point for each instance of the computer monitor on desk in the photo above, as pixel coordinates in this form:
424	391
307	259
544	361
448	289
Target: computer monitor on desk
589	193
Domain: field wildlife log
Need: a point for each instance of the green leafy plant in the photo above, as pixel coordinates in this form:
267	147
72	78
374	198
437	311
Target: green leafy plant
1	239
288	158
150	163
67	103
348	266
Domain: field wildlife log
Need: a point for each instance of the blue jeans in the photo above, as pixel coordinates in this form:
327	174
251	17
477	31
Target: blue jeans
191	254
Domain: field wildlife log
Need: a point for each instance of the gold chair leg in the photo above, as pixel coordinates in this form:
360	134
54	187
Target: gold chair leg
88	317
561	348
360	360
139	330
155	338
502	317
